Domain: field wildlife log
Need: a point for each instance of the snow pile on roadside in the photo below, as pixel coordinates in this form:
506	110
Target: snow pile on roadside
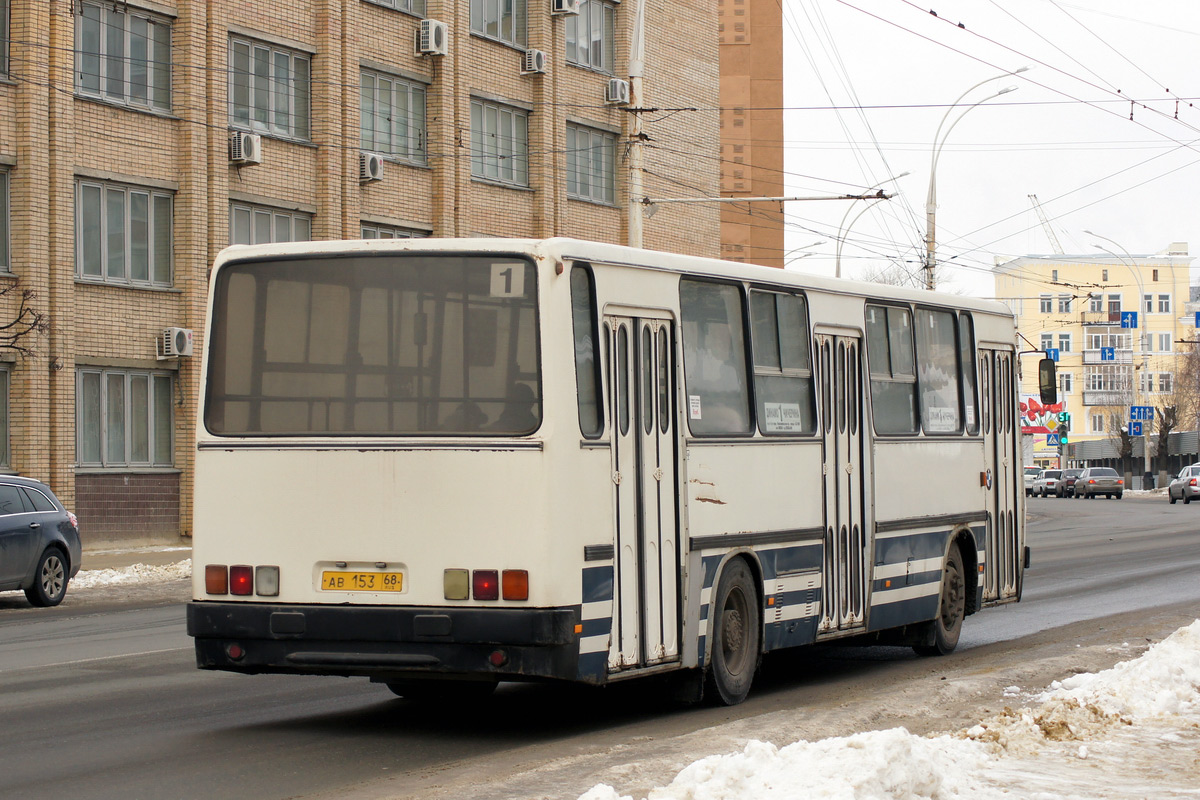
135	573
1104	735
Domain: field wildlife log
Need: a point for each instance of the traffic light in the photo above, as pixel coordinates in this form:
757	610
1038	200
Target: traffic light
1062	438
1064	425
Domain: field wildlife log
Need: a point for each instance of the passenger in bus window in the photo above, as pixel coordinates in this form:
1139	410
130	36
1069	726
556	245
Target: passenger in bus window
518	415
467	417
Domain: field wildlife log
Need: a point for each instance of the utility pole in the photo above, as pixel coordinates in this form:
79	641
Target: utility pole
637	53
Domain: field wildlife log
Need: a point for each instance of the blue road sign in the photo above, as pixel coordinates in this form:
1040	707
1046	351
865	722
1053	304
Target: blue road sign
1198	319
1135	429
1052	440
1139	413
1128	319
1108	354
1052	353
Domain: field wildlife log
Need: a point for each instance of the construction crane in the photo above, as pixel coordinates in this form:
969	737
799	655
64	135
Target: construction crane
1046	224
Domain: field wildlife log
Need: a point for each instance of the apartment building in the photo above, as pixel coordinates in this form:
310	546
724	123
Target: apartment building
140	137
1114	320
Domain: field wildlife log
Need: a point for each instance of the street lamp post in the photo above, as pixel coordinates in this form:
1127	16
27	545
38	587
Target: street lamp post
803	251
844	229
939	139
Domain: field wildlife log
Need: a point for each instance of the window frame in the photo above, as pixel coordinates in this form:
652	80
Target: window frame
491	156
784	366
1064	342
601	170
406	6
153	398
1164	304
5	219
296	93
157	38
485	14
276	214
586	18
598	368
882	375
739	354
373	231
415	140
99	244
1045	304
1064	303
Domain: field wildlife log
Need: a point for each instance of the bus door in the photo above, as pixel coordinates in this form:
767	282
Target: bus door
644	446
839	372
999	422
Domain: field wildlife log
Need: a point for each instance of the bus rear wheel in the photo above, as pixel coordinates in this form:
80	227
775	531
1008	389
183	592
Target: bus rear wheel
736	627
952	608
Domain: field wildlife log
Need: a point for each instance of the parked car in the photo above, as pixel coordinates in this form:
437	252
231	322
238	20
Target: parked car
39	541
1099	480
1186	485
1066	483
1046	483
1031	474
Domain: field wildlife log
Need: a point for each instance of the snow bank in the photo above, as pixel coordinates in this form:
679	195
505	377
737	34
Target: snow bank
1086	737
135	573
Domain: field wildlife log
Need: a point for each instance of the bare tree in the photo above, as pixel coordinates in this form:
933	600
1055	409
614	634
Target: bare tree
1118	434
1167	419
895	273
1186	394
18	333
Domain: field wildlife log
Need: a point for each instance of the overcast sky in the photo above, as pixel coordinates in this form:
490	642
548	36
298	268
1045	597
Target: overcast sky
867	83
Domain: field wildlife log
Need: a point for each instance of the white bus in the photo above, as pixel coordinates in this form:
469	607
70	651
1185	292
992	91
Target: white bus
441	464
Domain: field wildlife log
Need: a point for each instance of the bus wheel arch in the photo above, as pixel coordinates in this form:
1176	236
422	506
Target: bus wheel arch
943	631
735	630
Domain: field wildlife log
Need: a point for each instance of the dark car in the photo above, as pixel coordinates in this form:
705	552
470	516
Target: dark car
1099	480
1066	483
39	541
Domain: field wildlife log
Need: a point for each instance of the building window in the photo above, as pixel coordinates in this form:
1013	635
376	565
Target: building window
261	225
1114	304
1096	303
392	117
1065	383
123	234
1045	303
411	6
5	263
1164	342
123	56
269	89
124	418
1064	342
1054	276
5	455
1166	382
1154	275
1164	304
4	37
1047	341
373	231
591	170
1096	423
590	39
499	143
1064	304
1104	275
1148	303
499	19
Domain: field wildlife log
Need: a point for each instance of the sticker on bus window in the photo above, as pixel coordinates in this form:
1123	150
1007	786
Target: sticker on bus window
508	279
694	406
782	418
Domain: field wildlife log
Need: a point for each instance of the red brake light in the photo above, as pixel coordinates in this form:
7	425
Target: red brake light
74	520
485	584
1192	482
1120	481
241	580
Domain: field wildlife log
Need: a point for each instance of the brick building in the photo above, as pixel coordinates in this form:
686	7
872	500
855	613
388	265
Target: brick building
119	184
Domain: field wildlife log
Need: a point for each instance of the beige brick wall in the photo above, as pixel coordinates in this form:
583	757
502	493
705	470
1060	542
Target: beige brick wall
50	137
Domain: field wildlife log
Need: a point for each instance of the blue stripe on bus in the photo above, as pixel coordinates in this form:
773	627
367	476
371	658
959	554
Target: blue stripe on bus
597	584
790	559
898	549
904	612
790	633
596	627
915	579
593	667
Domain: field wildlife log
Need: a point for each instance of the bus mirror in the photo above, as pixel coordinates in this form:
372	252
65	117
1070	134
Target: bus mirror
1048	381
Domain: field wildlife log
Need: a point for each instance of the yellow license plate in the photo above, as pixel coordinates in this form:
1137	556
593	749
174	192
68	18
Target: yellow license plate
362	581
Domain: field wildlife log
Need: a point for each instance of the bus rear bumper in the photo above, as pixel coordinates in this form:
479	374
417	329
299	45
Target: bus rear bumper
385	643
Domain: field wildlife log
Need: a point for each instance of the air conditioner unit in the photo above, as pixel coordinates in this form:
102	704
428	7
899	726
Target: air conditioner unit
175	342
617	91
370	167
564	6
433	38
245	148
534	61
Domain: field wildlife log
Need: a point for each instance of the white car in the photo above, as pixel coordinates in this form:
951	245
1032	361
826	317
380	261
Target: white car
1046	483
1031	474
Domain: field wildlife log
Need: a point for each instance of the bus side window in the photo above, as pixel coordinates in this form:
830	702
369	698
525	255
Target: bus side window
941	378
966	362
587	362
714	358
893	378
783	385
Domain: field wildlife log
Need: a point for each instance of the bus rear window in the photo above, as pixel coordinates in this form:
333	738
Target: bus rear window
375	345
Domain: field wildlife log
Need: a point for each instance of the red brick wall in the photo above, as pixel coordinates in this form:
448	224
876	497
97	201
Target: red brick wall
123	507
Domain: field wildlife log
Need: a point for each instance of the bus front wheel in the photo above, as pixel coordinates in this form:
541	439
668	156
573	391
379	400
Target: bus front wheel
952	607
736	627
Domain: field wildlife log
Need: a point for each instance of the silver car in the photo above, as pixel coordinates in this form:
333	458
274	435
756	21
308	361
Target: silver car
1099	480
1186	485
1046	483
1031	474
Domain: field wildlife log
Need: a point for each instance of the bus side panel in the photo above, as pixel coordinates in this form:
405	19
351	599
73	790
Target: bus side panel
792	585
596	619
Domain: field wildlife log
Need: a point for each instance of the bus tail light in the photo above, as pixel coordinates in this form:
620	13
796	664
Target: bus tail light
241	580
485	584
516	584
266	581
216	579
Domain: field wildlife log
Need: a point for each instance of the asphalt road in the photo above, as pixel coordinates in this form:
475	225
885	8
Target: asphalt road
103	700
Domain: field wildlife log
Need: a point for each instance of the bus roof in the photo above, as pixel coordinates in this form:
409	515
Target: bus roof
565	249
